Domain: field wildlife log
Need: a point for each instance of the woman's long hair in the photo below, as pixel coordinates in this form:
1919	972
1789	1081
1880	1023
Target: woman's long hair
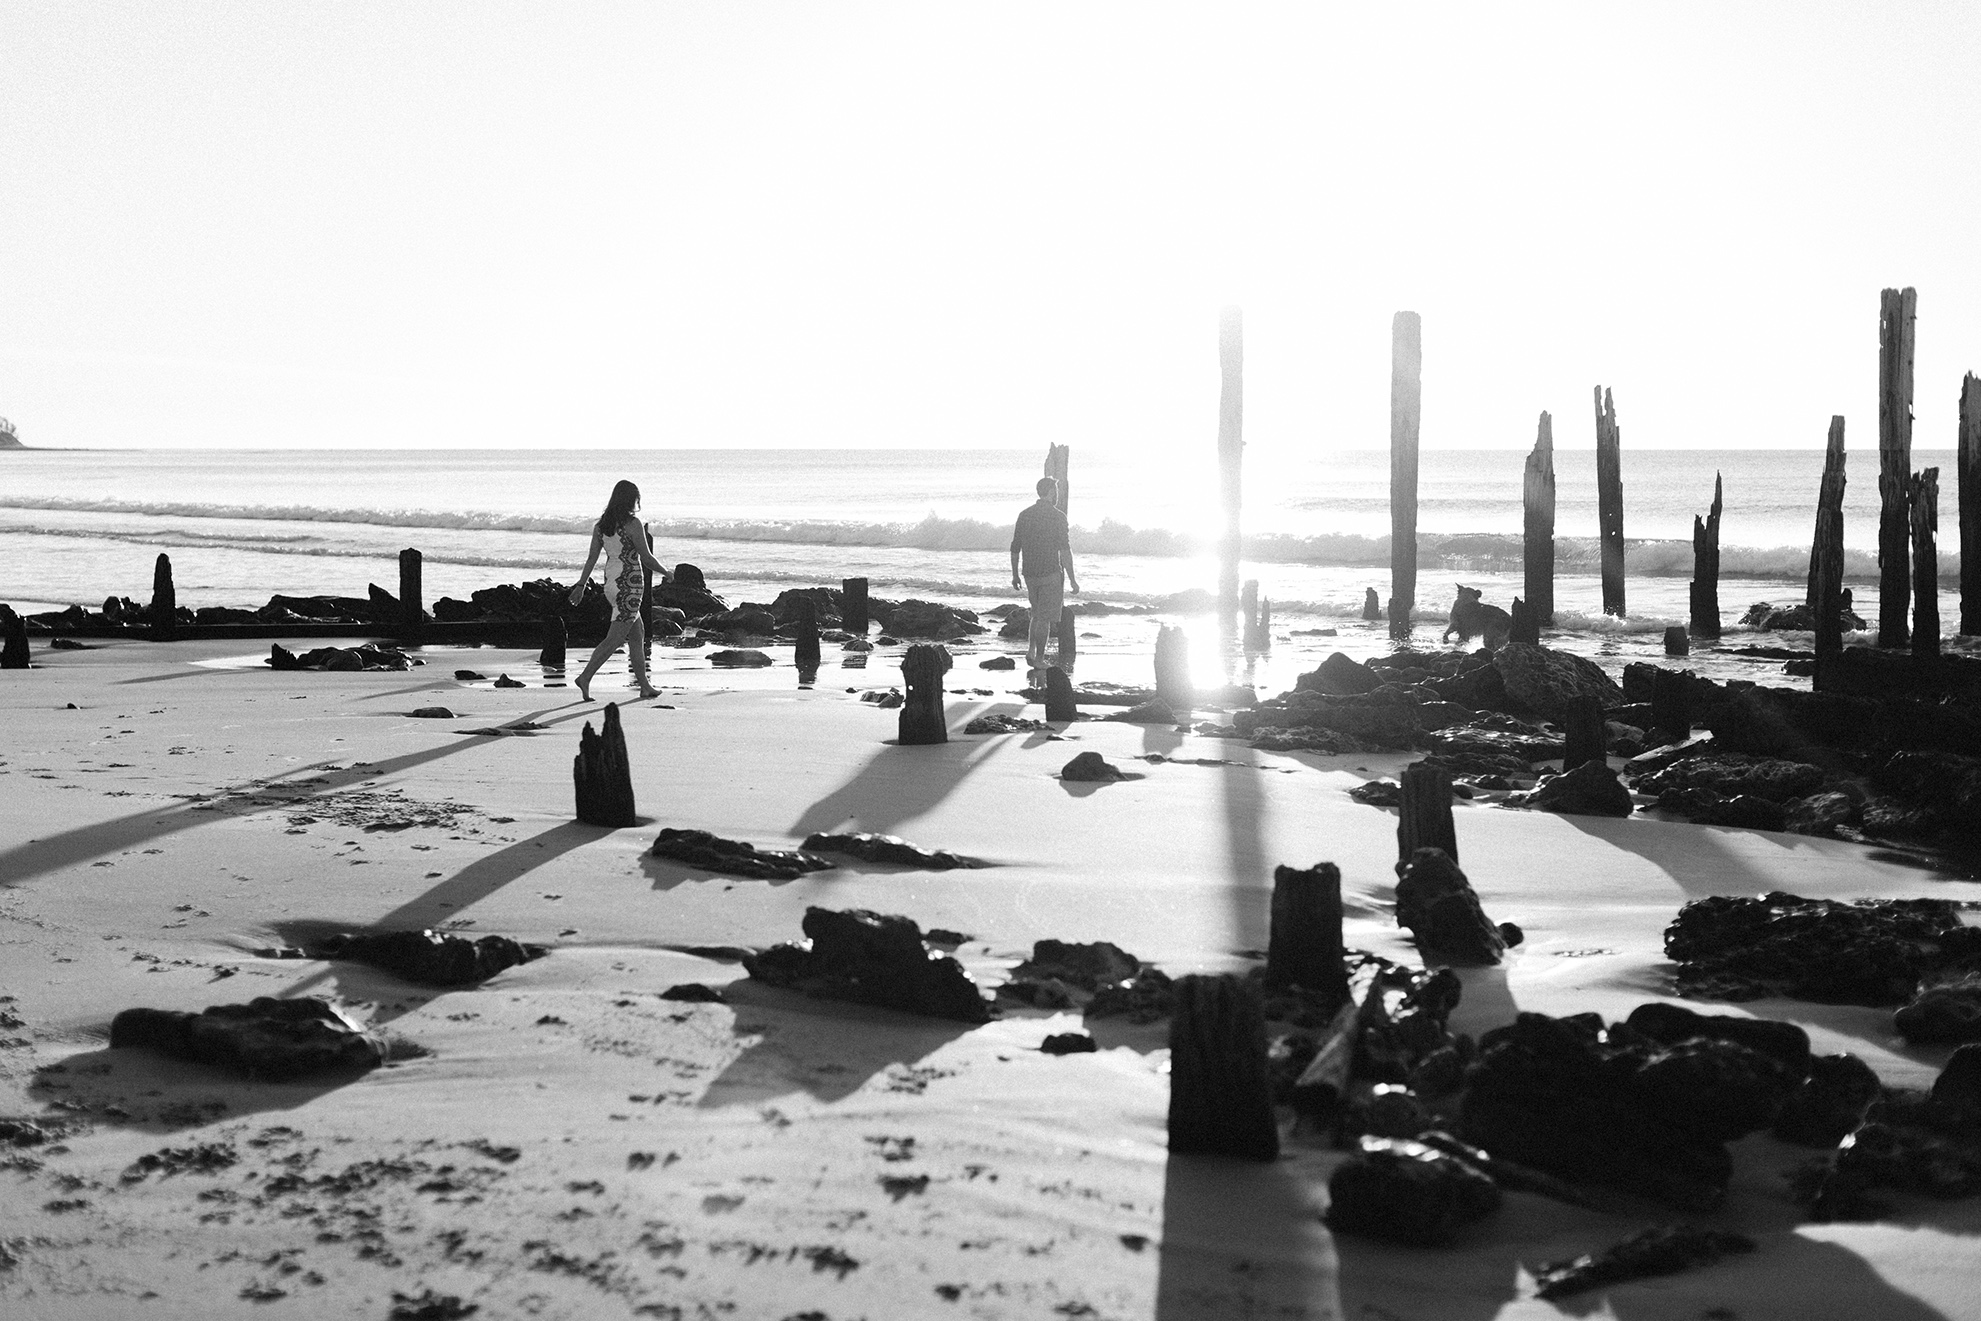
619	508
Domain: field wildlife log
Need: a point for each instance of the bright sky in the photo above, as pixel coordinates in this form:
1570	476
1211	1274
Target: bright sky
262	222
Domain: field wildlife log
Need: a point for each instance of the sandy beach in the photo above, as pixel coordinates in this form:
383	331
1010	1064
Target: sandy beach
562	1142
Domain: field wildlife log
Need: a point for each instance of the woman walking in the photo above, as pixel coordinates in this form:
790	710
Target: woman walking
623	542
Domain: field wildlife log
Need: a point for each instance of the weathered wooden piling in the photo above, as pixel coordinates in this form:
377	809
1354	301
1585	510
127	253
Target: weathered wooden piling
805	649
1173	668
1423	818
1372	605
921	712
1258	617
1059	696
556	638
1058	460
1967	489
1897	310
1924	499
1677	641
1671	703
1537	516
1609	500
412	599
1406	409
164	601
1230	453
1586	736
1826	562
853	606
13	640
1220	1093
1706	569
1069	635
602	776
1524	627
1305	946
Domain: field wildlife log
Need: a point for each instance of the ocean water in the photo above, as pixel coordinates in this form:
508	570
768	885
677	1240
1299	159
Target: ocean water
77	526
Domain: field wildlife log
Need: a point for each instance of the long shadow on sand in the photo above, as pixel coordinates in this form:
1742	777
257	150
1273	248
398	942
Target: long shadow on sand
1244	1238
896	785
142	1090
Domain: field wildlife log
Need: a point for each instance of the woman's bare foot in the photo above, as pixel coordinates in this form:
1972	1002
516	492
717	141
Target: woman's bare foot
646	693
584	690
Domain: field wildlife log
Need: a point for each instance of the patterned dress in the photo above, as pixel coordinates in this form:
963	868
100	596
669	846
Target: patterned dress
625	575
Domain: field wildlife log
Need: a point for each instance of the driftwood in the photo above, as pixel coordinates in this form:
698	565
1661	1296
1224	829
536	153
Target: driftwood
1967	488
602	776
1706	569
555	641
1173	669
1826	562
853	606
1423	817
1924	499
1587	736
1537	511
164	602
1897	309
805	651
1305	947
1524	627
1059	696
13	640
412	600
1230	452
1609	500
1406	389
921	711
1220	1093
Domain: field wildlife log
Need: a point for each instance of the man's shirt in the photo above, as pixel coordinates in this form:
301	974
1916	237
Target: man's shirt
1038	537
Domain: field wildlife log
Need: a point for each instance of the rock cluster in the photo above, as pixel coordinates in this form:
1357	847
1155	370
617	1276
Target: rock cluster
873	959
1437	903
427	957
267	1039
889	848
372	657
735	857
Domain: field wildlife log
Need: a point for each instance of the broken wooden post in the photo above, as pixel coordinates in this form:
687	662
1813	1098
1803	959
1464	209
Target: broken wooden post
1671	703
1058	457
1609	500
1259	637
1230	452
412	601
1523	628
1537	511
805	650
1220	1093
1372	606
1897	309
1586	735
1706	571
1173	668
1677	641
1423	816
1304	947
853	606
556	637
1923	493
164	602
1256	639
13	640
921	713
1967	489
1826	562
1406	392
1069	637
602	776
1059	696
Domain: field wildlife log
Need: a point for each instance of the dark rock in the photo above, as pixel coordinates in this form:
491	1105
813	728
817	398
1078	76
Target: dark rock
271	1040
1088	967
1591	789
1436	902
734	857
1769	618
13	641
756	620
1706	808
1719	1088
1944	788
1407	1192
693	993
1822	814
1152	712
1829	1104
428	957
888	848
504	681
1942	1013
737	659
1151	996
1069	1043
431	713
872	959
1729	775
1378	793
1511	751
1270	738
1510	934
1549	682
825	601
1090	766
469	676
1670	1024
998	663
1017	623
926	619
1000	723
1663	1250
1908	1143
1338	675
1872	952
1957	1090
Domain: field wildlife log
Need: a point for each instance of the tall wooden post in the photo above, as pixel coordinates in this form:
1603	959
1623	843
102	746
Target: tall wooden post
1924	490
1585	735
412	603
921	718
1671	703
556	637
1406	407
1256	639
853	606
1069	637
1173	683
1423	816
1967	467
1897	309
1537	505
1609	500
1304	948
1523	627
1059	696
805	649
164	601
1706	569
1826	562
1220	1093
13	640
1230	453
602	776
1057	459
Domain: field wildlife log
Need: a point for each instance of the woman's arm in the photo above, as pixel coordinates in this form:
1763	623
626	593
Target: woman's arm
646	553
585	574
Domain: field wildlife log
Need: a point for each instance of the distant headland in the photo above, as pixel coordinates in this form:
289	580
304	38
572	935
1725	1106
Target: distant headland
8	440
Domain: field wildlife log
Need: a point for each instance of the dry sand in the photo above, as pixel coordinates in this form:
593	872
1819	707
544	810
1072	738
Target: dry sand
574	1146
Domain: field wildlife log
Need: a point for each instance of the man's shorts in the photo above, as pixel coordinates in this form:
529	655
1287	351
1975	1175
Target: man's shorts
1048	596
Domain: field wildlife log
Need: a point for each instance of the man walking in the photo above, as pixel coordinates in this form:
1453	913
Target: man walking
1039	545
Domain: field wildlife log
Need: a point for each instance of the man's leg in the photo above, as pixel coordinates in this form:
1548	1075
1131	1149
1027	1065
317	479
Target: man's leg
1047	596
